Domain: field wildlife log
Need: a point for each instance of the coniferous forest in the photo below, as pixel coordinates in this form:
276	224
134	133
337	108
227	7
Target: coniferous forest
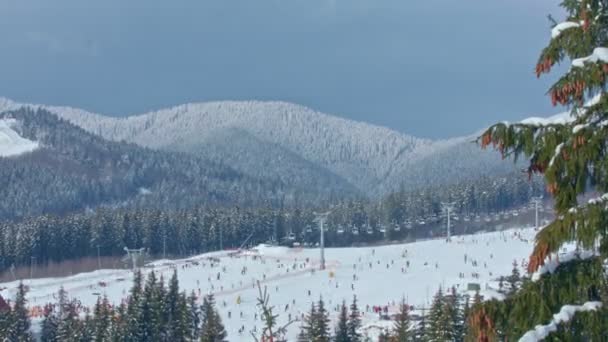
79	196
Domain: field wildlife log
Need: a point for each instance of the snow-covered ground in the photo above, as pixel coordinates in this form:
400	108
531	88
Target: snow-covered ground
376	275
11	143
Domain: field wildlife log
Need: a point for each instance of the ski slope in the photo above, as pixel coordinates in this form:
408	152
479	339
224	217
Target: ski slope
11	143
376	275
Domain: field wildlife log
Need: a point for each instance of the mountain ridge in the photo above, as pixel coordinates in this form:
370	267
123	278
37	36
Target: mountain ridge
375	159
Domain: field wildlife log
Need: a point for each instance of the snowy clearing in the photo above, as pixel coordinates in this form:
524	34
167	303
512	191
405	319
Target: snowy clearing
376	275
11	143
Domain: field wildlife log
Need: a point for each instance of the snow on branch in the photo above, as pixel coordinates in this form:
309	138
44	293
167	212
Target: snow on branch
557	259
565	314
600	54
558	119
559	28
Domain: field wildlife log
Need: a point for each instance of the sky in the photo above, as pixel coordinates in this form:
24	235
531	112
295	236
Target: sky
430	68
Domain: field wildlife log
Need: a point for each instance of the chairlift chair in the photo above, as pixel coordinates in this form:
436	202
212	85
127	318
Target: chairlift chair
340	229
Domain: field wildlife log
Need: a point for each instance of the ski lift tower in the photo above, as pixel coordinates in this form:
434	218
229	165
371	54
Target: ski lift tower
448	207
134	254
537	202
320	218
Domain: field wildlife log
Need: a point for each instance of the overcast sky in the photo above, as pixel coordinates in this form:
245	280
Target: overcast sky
431	68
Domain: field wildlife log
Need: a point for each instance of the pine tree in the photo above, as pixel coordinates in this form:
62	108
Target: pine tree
571	155
421	329
151	310
5	318
212	327
354	322
180	327
102	320
454	315
342	327
20	320
439	327
172	313
194	318
70	328
88	330
514	279
119	330
384	336
49	325
134	319
308	328
321	333
270	332
402	326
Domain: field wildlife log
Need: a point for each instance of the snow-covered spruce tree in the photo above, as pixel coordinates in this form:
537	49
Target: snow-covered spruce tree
308	324
49	325
402	327
212	328
103	319
322	331
19	330
133	317
5	318
354	322
420	333
439	323
572	155
342	326
194	317
150	306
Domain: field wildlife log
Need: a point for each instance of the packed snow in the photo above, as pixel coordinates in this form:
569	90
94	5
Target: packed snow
555	260
11	143
540	332
600	54
559	28
378	276
558	119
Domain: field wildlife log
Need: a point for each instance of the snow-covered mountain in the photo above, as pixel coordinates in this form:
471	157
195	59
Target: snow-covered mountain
274	139
11	143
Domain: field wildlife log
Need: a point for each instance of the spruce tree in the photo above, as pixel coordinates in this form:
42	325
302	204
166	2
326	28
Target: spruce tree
309	328
354	322
571	154
102	320
151	310
49	325
20	319
384	336
171	309
514	279
402	326
342	327
454	315
212	327
421	329
180	323
70	328
134	319
194	317
321	333
439	323
5	318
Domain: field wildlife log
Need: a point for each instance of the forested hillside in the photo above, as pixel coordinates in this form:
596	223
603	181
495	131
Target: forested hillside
284	141
74	170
